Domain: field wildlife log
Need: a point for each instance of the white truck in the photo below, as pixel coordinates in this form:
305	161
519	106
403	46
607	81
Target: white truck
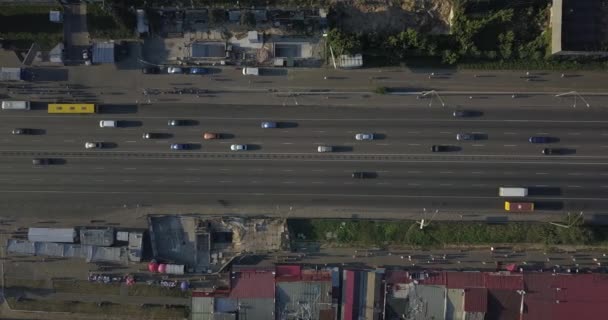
512	192
248	71
15	105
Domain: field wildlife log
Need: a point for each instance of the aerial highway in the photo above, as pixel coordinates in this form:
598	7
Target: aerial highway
282	171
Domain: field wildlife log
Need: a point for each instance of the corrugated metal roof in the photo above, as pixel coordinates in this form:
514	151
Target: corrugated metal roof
303	298
396	276
65	235
97	237
476	300
20	247
10	74
503	304
455	304
256	308
464	280
288	272
540	296
103	52
503	281
202	308
349	288
252	284
425	302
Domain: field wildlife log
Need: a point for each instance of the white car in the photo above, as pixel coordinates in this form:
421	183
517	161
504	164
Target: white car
364	136
174	70
238	147
325	149
93	145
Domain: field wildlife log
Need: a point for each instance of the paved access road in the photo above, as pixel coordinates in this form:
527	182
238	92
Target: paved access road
283	173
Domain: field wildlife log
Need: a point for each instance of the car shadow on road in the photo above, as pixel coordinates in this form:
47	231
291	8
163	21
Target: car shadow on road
549	205
38	132
117	108
195	146
544	191
343	149
130	123
226	135
110	145
379	136
254	147
287	124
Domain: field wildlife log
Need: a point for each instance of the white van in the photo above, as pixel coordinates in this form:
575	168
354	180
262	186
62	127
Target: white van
15	105
512	192
108	124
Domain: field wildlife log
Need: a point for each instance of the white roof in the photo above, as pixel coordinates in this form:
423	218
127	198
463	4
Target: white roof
103	52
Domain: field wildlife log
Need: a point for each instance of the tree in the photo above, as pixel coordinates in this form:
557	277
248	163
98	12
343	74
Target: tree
248	19
217	16
450	57
343	43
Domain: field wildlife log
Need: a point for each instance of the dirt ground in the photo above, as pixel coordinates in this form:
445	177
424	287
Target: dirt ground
365	16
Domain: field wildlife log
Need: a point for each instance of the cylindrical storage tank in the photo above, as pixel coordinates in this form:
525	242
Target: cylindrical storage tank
162	268
184	285
153	266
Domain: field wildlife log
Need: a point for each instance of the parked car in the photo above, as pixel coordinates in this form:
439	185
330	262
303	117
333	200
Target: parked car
439	148
364	136
41	161
93	145
211	136
238	147
108	123
538	139
362	175
19	131
465	113
175	70
269	124
179	146
151	70
197	70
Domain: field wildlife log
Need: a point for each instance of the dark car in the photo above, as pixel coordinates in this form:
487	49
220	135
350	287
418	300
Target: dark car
21	131
539	139
41	161
464	113
180	146
552	151
175	123
150	70
362	175
197	70
151	135
439	148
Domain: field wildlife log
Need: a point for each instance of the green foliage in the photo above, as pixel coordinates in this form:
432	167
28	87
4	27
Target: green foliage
368	232
380	90
19	35
118	23
343	43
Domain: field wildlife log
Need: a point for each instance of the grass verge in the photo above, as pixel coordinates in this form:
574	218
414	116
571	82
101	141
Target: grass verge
102	24
82	286
155	291
367	232
135	312
26	283
21	25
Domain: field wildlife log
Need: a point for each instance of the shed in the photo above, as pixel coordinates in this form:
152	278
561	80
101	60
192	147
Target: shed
349	62
66	235
135	246
142	22
56	54
252	36
103	52
97	237
10	74
55	16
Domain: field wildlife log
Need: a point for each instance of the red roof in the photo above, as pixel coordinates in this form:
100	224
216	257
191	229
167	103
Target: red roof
476	300
396	276
461	280
565	297
504	305
252	284
348	297
288	273
316	275
502	281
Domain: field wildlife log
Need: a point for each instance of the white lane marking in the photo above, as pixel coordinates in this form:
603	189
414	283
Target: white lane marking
128	180
574	174
413	132
130	168
382	183
445	132
320	131
541	173
384	144
478	145
36	140
604	174
605	134
287	143
318	170
478	185
510	145
36	179
604	186
413	144
224	169
158	180
193	169
287	170
477	172
509	132
541	185
541	133
257	169
69	140
574	133
192	181
446	184
413	184
254	182
318	182
225	181
99	180
130	141
99	168
442	172
574	186
348	182
414	172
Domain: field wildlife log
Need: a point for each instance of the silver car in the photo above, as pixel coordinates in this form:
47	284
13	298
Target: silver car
364	136
465	136
324	149
238	147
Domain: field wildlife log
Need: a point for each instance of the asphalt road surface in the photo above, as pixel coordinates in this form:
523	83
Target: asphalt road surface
282	172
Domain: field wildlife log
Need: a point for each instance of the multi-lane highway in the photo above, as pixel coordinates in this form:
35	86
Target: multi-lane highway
282	170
